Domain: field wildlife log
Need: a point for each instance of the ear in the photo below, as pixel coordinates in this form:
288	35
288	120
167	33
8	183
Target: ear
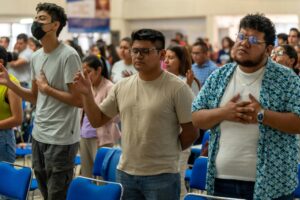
292	61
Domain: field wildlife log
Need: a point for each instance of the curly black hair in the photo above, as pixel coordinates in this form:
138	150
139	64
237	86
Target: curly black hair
56	12
260	23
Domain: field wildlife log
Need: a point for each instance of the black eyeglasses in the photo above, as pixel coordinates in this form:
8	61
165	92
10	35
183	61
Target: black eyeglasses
251	39
142	51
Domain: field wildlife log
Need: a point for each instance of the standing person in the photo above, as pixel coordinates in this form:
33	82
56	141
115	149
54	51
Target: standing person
287	56
253	110
10	115
178	62
154	106
224	53
57	121
124	67
4	42
203	66
105	136
294	37
20	68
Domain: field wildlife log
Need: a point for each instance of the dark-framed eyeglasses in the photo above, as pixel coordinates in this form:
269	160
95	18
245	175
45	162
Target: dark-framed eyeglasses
251	39
277	53
142	51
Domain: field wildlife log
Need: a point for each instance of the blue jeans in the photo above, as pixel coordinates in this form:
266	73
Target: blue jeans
7	146
157	187
239	189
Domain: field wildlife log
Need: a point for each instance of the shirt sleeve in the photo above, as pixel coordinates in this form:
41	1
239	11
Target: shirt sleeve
293	95
200	102
73	65
109	105
183	100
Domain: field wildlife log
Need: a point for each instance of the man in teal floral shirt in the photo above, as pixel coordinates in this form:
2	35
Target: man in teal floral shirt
252	107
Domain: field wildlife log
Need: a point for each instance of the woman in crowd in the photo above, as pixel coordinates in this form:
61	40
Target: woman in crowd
124	67
106	135
224	53
10	115
178	61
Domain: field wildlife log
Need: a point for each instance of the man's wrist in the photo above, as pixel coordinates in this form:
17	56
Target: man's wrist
260	116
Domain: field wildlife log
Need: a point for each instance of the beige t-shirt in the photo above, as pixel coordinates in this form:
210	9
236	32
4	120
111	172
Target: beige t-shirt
151	113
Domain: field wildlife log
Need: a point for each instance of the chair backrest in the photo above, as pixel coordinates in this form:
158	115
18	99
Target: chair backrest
101	152
198	177
205	138
14	182
297	191
92	189
192	196
110	162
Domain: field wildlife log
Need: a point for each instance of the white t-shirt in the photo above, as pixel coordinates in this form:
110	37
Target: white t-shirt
236	158
151	113
22	73
56	122
118	69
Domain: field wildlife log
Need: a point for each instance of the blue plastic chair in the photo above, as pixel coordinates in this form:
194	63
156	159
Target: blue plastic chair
110	162
97	168
196	152
297	191
14	182
198	177
92	189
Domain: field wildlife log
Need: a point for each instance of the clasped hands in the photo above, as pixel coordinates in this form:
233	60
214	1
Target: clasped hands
242	111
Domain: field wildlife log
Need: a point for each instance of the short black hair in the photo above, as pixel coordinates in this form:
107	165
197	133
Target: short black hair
296	30
202	45
94	62
290	52
56	12
154	36
283	36
260	23
22	36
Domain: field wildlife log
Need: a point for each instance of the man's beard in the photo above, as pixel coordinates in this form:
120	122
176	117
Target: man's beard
250	63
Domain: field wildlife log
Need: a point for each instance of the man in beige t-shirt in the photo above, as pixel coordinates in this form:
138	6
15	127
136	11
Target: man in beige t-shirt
154	106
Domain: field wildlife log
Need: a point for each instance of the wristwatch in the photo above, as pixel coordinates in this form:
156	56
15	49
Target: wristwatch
260	116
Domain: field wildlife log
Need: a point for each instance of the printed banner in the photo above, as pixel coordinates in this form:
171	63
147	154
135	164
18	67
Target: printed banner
88	16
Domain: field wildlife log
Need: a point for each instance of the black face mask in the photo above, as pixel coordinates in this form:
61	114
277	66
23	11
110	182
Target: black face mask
37	30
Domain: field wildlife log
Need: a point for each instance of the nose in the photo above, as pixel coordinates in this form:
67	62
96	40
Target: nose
245	42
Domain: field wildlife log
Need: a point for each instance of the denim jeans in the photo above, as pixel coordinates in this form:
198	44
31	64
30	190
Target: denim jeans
157	187
7	146
239	189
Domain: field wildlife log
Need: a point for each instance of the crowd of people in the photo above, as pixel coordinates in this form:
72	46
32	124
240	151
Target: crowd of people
153	101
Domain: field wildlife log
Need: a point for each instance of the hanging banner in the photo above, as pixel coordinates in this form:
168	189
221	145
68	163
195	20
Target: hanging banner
88	16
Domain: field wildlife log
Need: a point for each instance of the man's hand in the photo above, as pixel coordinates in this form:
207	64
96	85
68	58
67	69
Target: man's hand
42	83
82	83
254	104
238	112
4	77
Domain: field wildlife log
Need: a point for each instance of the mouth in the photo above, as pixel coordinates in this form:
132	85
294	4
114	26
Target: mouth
242	51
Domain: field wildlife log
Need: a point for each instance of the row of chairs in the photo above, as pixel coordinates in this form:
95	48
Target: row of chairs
16	181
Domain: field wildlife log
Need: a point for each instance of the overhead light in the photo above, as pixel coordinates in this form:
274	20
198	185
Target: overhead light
26	21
